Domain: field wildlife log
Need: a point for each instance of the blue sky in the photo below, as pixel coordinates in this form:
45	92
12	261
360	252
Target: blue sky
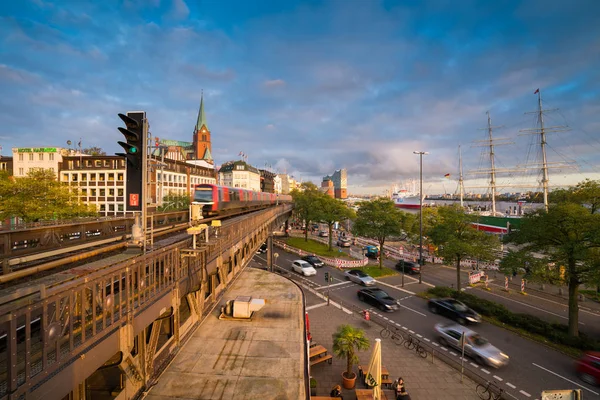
312	86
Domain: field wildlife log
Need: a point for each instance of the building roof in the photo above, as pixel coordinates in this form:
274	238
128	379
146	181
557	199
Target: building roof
201	116
230	166
207	155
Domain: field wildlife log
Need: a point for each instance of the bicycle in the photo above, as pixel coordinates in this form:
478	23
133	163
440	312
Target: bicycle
413	343
484	392
397	337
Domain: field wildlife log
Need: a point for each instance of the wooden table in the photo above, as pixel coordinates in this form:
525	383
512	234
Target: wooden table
385	374
317	351
367	394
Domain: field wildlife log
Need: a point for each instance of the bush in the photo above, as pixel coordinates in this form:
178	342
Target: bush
554	332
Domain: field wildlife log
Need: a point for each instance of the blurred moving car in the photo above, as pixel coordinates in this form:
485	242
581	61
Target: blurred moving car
409	267
323	233
343	242
378	298
588	367
476	347
314	261
262	249
304	268
454	309
358	276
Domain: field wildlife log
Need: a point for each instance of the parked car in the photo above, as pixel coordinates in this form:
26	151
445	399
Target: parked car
588	367
304	268
262	249
454	309
343	242
358	276
371	251
476	347
409	267
314	261
323	233
378	298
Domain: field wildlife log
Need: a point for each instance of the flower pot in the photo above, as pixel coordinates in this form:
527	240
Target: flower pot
348	382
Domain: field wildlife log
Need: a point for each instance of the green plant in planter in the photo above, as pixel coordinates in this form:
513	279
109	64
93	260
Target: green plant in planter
346	342
313	383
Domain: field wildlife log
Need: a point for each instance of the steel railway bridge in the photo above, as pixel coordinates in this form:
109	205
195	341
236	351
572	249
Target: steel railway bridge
105	329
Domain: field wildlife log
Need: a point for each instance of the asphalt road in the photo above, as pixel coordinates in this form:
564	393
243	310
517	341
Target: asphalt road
532	368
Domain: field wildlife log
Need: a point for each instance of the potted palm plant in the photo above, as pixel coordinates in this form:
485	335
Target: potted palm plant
346	342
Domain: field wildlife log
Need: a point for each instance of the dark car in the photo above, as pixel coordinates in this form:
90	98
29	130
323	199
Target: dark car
314	261
378	298
409	267
262	249
588	367
454	309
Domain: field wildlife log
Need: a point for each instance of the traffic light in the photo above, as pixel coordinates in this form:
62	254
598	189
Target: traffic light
135	152
326	276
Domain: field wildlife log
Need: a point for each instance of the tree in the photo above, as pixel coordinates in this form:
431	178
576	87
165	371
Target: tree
304	204
174	202
39	196
347	340
585	193
457	239
380	219
94	151
568	236
330	211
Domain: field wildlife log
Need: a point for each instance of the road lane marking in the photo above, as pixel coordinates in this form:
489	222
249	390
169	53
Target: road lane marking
530	306
498	378
475	365
568	380
405	328
427	340
510	385
524	393
419	335
335	284
415	311
443	348
435	344
453	353
485	370
411	331
394	287
315	306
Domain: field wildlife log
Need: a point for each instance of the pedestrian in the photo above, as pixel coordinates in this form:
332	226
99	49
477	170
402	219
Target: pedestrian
403	395
336	392
397	386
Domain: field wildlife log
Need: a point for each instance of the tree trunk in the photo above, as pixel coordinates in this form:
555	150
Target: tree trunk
458	273
349	365
573	307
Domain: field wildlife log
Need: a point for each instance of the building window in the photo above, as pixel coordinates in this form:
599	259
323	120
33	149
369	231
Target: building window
102	207
74	177
65	177
84	177
20	171
111	177
93	177
41	156
93	192
120	207
120	192
51	156
30	156
111	192
101	177
84	192
239	167
102	192
20	156
111	207
120	177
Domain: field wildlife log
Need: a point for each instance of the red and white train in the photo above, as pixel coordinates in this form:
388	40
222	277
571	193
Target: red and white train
218	199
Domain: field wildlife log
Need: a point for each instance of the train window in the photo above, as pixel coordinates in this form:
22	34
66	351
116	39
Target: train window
184	310
203	194
209	286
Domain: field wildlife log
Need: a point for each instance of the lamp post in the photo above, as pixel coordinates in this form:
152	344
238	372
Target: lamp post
420	153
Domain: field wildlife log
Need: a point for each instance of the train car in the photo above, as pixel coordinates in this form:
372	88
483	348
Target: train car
219	199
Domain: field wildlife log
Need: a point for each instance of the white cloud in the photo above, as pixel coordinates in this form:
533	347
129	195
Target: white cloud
274	83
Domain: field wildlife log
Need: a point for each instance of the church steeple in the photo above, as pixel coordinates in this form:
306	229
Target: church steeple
201	116
202	143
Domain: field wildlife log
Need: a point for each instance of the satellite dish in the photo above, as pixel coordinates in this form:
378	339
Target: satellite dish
68	142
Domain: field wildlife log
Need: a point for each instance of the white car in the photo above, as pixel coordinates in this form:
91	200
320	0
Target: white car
304	268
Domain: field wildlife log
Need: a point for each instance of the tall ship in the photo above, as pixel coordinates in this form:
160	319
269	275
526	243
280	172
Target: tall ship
406	196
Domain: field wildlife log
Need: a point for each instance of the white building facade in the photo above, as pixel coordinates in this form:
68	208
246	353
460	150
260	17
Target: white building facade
239	174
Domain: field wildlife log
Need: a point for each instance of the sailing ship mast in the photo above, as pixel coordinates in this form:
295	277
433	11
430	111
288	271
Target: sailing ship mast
461	185
542	132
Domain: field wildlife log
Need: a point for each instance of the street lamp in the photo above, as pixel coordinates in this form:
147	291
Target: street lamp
420	153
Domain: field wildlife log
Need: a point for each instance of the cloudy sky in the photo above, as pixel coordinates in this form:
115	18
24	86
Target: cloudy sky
312	86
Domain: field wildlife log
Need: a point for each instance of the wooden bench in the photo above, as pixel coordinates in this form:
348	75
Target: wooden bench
367	394
318	360
387	382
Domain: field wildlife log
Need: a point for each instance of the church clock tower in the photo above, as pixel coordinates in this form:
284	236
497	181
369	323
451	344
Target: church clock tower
202	145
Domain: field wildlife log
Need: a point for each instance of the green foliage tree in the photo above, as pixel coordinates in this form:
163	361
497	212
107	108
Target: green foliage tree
330	211
94	151
585	193
456	238
305	201
174	202
380	219
568	236
39	196
347	340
